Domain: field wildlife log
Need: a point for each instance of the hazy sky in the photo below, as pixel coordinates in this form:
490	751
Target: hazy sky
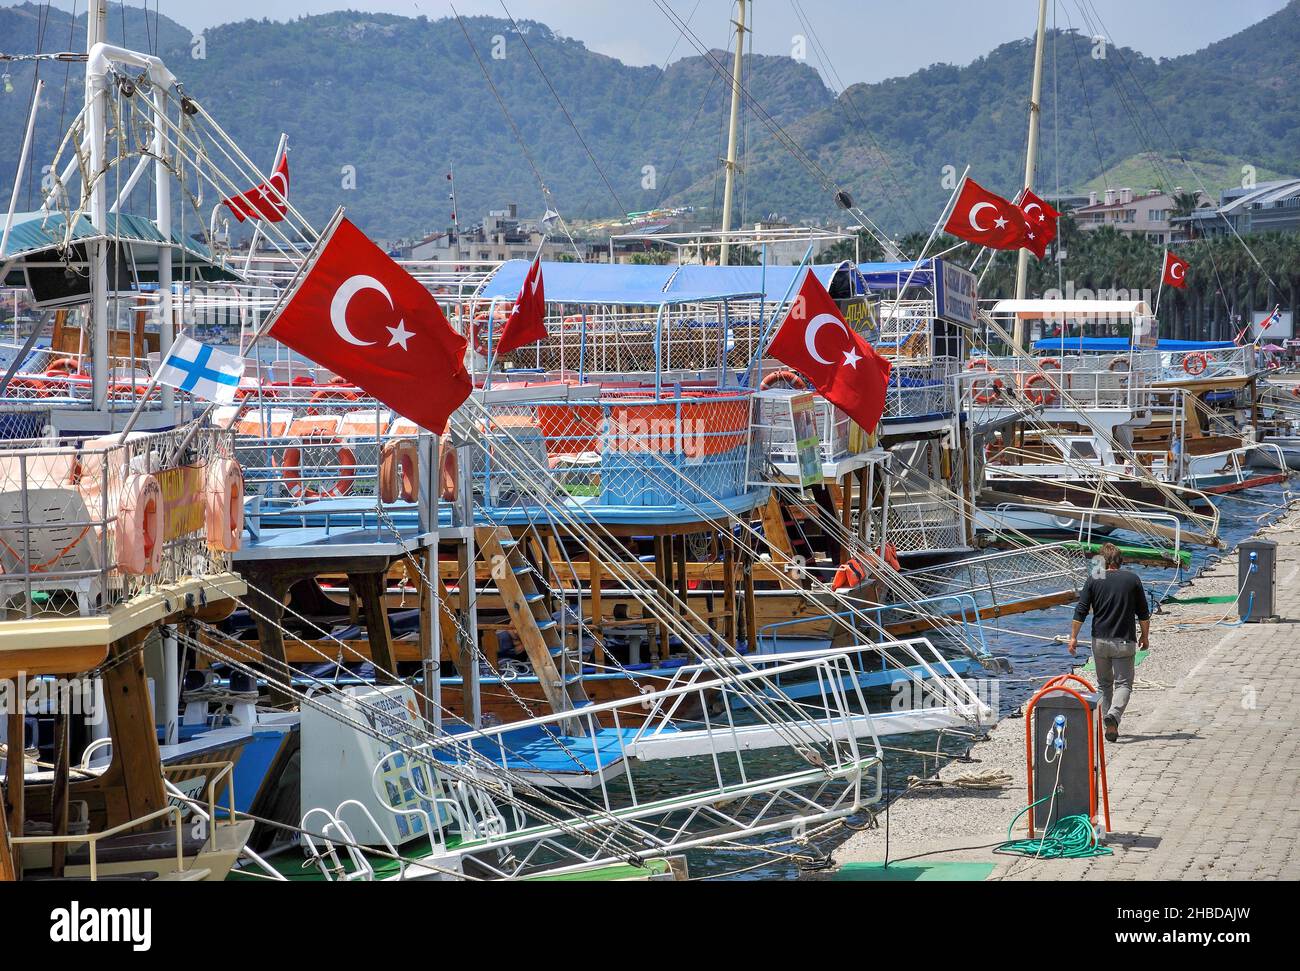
863	40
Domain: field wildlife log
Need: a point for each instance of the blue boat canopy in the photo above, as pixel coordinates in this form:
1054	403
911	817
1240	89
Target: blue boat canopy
894	276
1119	345
631	285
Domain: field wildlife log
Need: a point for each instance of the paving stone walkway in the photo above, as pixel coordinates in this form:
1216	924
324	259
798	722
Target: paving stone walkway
1204	783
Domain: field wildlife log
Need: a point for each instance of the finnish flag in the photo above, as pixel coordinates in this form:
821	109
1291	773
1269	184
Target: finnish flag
202	370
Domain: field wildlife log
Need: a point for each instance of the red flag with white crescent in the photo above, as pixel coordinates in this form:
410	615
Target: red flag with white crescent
986	219
362	316
815	340
1175	272
1041	218
527	322
267	200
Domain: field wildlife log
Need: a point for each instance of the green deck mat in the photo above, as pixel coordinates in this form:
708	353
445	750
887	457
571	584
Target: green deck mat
914	871
1092	662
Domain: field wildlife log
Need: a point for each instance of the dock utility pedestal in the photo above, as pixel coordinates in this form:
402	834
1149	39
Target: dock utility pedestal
1065	753
1257	580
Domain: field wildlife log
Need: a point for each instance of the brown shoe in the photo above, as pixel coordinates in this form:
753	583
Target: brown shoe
1111	727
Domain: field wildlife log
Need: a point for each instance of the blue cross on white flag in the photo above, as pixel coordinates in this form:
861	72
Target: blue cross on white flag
202	370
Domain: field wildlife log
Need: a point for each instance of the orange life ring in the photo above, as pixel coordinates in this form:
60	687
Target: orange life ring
330	396
1119	359
448	473
994	387
128	389
1196	363
1040	396
1049	364
399	471
1295	391
291	472
138	537
223	505
21	382
63	365
785	378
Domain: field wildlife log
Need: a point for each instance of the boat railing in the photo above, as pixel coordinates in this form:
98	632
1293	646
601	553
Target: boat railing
1005	578
920	390
627	341
298	442
86	525
905	328
721	713
92	840
1086	381
219	771
774	434
916	525
612	448
1207	364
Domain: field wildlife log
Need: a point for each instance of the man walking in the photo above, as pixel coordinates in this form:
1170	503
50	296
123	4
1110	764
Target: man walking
1116	600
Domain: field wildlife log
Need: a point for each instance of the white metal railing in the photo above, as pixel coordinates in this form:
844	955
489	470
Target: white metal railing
92	840
64	542
920	390
733	793
917	525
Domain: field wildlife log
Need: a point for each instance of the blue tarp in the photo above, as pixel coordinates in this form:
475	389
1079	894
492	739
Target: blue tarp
619	283
772	281
891	276
1118	345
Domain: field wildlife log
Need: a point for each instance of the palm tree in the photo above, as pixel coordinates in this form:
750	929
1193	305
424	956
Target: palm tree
1182	205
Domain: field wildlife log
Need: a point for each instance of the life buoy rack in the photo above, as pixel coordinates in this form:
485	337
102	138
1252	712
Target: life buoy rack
399	471
1196	363
296	485
138	536
785	378
994	387
223	505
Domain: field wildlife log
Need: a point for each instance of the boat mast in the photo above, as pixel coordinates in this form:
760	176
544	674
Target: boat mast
733	133
96	101
1031	157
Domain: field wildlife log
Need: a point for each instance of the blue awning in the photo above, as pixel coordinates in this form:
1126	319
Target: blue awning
1118	345
633	285
892	276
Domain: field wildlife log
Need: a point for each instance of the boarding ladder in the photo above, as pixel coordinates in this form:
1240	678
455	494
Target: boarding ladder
529	610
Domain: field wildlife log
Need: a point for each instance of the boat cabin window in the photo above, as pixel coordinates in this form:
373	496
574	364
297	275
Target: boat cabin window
1081	448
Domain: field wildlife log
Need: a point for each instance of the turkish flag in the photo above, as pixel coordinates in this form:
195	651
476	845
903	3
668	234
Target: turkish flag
527	323
1175	271
986	219
267	200
815	340
364	317
1041	218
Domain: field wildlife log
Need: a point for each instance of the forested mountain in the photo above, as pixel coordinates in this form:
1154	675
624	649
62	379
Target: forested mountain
401	98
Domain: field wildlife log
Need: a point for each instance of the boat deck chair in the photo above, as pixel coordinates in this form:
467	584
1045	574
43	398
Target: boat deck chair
47	538
363	423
